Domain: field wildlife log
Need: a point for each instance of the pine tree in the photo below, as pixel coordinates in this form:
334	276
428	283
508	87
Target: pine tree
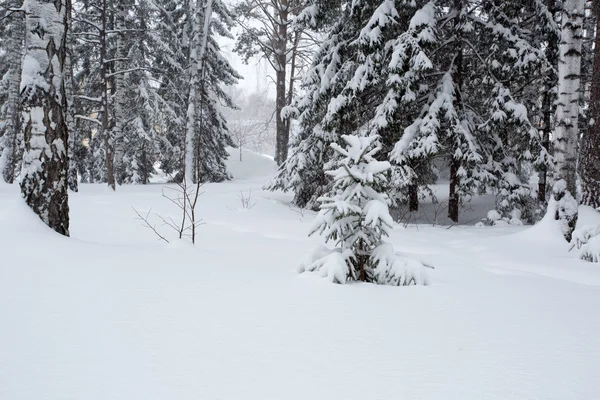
355	216
45	163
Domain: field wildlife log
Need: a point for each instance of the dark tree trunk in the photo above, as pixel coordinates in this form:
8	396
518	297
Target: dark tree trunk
413	198
457	77
46	164
454	198
282	136
590	157
108	143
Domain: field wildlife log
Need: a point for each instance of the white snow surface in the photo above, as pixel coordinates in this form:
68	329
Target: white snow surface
112	313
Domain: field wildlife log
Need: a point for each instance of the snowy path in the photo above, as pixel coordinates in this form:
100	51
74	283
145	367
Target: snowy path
114	314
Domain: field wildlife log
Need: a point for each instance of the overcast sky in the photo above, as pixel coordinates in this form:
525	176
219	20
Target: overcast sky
256	73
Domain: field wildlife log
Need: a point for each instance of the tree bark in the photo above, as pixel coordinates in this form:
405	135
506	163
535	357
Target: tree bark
106	134
567	114
282	138
69	93
12	138
120	104
457	78
590	157
45	162
413	198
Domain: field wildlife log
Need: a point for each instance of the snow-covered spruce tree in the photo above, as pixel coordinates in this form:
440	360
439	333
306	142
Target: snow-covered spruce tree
94	67
567	132
139	106
45	162
346	89
590	149
170	59
11	133
355	216
474	108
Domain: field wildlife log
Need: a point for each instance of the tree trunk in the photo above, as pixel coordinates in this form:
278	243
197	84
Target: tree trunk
120	104
69	93
282	138
108	143
45	162
12	138
590	157
546	131
197	52
457	77
567	113
413	197
454	198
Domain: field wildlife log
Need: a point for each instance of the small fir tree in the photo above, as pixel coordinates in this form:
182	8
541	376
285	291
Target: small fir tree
355	215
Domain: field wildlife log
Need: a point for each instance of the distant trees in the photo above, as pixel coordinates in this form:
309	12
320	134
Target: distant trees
459	81
269	32
252	124
122	85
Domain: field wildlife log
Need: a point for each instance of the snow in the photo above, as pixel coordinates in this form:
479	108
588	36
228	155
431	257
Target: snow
112	313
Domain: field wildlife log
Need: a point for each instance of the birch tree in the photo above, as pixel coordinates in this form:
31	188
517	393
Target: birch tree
45	162
11	136
567	113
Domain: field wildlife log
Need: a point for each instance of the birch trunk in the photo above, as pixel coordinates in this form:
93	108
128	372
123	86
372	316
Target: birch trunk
197	53
45	162
13	138
567	113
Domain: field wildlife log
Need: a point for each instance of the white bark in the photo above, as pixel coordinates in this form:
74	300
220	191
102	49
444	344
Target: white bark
197	52
45	162
12	138
567	114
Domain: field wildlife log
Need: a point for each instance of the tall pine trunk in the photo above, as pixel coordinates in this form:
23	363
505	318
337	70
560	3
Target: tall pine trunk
106	134
45	162
548	99
70	93
590	156
12	138
457	78
120	103
282	127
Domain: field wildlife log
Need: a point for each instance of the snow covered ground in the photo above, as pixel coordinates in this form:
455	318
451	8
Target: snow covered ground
112	313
